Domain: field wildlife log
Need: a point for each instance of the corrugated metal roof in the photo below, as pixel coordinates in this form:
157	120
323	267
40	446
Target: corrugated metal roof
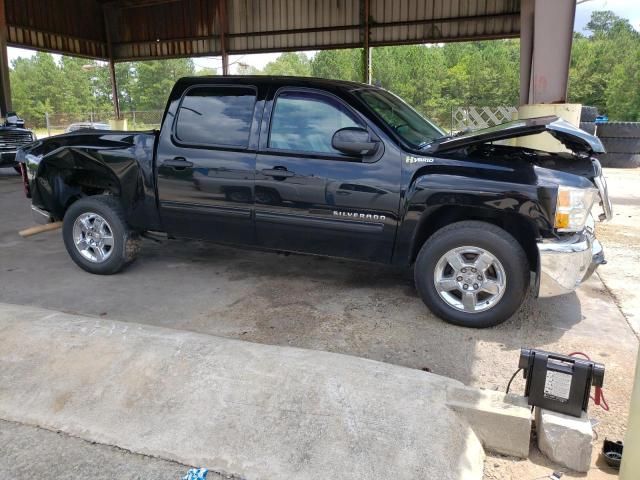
75	27
141	29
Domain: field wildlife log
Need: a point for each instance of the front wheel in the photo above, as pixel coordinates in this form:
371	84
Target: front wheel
97	236
472	274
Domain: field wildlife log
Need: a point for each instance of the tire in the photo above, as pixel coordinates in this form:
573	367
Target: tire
620	160
588	114
482	237
621	145
118	251
619	129
589	127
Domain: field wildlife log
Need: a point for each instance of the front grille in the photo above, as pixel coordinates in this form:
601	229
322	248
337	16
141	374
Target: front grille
11	140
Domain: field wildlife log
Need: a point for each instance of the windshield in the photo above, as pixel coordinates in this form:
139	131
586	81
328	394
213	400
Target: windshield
412	127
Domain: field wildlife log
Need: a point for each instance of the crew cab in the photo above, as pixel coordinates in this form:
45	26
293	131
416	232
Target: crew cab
338	169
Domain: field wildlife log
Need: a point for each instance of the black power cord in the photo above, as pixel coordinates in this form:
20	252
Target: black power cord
512	377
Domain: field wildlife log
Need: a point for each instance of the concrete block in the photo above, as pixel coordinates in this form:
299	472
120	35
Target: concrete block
501	421
564	439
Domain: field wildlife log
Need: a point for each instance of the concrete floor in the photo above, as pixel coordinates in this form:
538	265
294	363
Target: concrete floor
31	452
326	304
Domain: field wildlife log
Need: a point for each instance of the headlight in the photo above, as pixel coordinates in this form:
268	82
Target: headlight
573	207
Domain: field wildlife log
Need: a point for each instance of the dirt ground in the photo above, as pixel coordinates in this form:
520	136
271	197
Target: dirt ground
360	309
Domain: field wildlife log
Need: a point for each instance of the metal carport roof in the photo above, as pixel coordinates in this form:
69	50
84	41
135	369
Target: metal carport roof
121	30
147	29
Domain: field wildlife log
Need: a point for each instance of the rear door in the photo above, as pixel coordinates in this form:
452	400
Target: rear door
312	198
206	163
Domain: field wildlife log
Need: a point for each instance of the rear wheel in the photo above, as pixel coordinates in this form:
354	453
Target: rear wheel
472	274
97	237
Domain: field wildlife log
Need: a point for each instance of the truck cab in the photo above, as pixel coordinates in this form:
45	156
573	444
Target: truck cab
339	169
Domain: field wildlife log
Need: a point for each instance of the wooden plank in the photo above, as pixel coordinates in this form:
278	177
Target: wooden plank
48	227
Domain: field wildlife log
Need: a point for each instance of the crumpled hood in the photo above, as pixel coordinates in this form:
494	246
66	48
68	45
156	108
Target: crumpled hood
570	136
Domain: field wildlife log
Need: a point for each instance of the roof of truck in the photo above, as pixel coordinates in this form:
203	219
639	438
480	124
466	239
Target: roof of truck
280	80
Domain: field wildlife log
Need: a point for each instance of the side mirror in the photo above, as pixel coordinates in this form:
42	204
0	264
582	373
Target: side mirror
354	141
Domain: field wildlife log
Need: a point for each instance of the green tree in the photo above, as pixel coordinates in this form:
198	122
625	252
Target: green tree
604	72
604	67
155	79
343	64
290	63
35	87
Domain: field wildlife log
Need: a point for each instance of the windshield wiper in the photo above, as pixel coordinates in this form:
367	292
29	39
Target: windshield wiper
437	140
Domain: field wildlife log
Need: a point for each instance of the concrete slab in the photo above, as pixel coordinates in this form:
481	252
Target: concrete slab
564	439
358	309
240	408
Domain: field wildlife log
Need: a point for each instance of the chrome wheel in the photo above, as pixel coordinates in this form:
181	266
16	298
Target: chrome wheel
470	279
93	237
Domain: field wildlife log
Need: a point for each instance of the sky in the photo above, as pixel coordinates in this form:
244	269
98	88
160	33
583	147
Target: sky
629	9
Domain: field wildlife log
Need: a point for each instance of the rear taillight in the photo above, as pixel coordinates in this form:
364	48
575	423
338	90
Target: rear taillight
25	180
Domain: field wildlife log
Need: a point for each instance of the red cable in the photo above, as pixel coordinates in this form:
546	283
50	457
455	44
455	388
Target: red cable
599	398
573	354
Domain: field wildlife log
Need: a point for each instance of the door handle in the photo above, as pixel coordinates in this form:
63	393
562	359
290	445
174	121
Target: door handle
177	163
277	172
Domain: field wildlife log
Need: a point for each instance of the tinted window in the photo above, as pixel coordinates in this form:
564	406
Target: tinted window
216	116
306	122
404	120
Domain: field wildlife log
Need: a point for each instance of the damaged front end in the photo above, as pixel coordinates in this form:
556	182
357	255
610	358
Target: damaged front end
576	140
568	251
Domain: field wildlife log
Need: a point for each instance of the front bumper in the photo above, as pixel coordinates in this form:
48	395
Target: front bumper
566	263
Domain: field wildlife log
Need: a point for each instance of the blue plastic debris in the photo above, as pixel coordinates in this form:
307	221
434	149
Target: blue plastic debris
196	474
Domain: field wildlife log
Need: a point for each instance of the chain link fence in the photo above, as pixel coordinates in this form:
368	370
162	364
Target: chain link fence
472	117
56	123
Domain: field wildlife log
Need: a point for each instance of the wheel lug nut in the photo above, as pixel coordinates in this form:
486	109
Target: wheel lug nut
459	279
479	277
473	270
475	286
464	270
465	286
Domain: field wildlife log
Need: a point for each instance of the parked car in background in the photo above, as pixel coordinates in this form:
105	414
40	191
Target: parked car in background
13	135
338	169
74	127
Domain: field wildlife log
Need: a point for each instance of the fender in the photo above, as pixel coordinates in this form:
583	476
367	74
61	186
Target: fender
63	168
447	191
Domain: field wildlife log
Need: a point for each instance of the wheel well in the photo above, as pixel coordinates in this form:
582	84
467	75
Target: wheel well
61	182
516	225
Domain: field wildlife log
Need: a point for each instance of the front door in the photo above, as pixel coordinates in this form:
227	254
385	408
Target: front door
206	167
311	198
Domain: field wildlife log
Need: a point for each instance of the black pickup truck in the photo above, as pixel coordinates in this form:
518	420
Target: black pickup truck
339	169
13	135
